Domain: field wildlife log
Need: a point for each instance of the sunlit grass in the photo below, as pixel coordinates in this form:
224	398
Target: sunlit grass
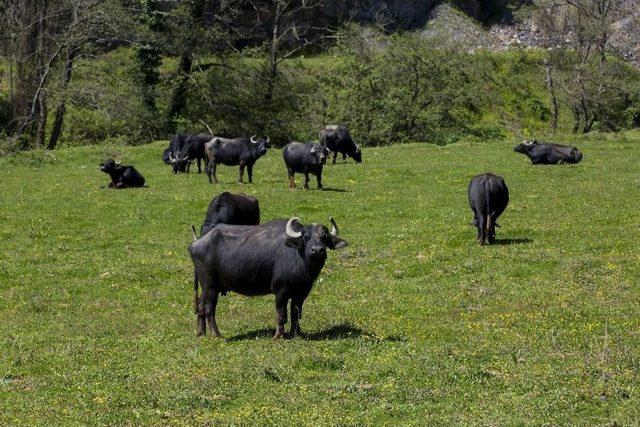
413	323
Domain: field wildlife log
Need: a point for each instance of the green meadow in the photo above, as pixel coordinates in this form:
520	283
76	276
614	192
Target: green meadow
412	324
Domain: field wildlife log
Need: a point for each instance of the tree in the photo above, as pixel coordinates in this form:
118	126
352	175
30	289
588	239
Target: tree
578	37
291	32
41	35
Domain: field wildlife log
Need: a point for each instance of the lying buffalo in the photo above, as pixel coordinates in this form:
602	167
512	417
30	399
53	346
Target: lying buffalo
544	153
306	158
488	198
184	149
227	208
122	176
235	152
337	139
278	257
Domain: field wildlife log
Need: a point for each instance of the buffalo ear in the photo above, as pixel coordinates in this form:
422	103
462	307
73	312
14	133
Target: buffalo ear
294	242
337	243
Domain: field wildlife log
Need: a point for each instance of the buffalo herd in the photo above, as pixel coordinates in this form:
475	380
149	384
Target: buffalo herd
236	252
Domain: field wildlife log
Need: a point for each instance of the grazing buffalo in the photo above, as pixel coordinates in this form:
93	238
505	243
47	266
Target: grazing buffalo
227	208
234	152
185	148
278	257
122	176
337	139
168	155
544	153
306	158
488	198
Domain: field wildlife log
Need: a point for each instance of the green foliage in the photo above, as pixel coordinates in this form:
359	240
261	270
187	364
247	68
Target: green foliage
104	106
5	108
412	324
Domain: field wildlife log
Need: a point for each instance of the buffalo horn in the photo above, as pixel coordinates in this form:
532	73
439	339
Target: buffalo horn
289	228
254	139
334	226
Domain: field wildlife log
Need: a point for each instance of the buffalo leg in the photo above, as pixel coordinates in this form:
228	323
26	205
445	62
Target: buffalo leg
335	154
210	301
344	158
281	315
250	173
296	315
491	230
241	174
212	172
306	180
292	181
319	179
200	315
199	170
482	226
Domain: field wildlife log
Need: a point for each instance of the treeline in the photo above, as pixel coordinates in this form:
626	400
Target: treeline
131	71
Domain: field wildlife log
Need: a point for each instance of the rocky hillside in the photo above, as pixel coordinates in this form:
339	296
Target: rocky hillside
521	31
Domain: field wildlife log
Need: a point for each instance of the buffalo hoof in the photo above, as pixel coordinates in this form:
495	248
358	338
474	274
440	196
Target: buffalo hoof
278	336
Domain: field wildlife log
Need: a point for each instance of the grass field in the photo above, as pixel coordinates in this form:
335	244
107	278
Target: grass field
412	323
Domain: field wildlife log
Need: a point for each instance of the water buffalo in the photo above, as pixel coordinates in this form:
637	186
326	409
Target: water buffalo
233	152
544	153
185	148
122	176
281	257
306	158
488	198
337	139
227	208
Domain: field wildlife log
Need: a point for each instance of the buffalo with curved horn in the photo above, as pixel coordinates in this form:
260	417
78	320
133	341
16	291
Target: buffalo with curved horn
281	257
242	152
122	176
544	153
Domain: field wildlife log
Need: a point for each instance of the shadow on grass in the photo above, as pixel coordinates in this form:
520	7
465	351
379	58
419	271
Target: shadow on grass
335	332
506	242
335	190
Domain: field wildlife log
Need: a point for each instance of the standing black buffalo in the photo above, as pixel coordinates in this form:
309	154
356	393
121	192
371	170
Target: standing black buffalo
227	208
306	158
337	139
278	257
122	176
488	198
236	151
544	153
185	148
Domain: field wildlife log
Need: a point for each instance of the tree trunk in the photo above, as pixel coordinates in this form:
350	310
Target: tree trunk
273	54
576	118
41	98
62	107
42	119
552	95
179	96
